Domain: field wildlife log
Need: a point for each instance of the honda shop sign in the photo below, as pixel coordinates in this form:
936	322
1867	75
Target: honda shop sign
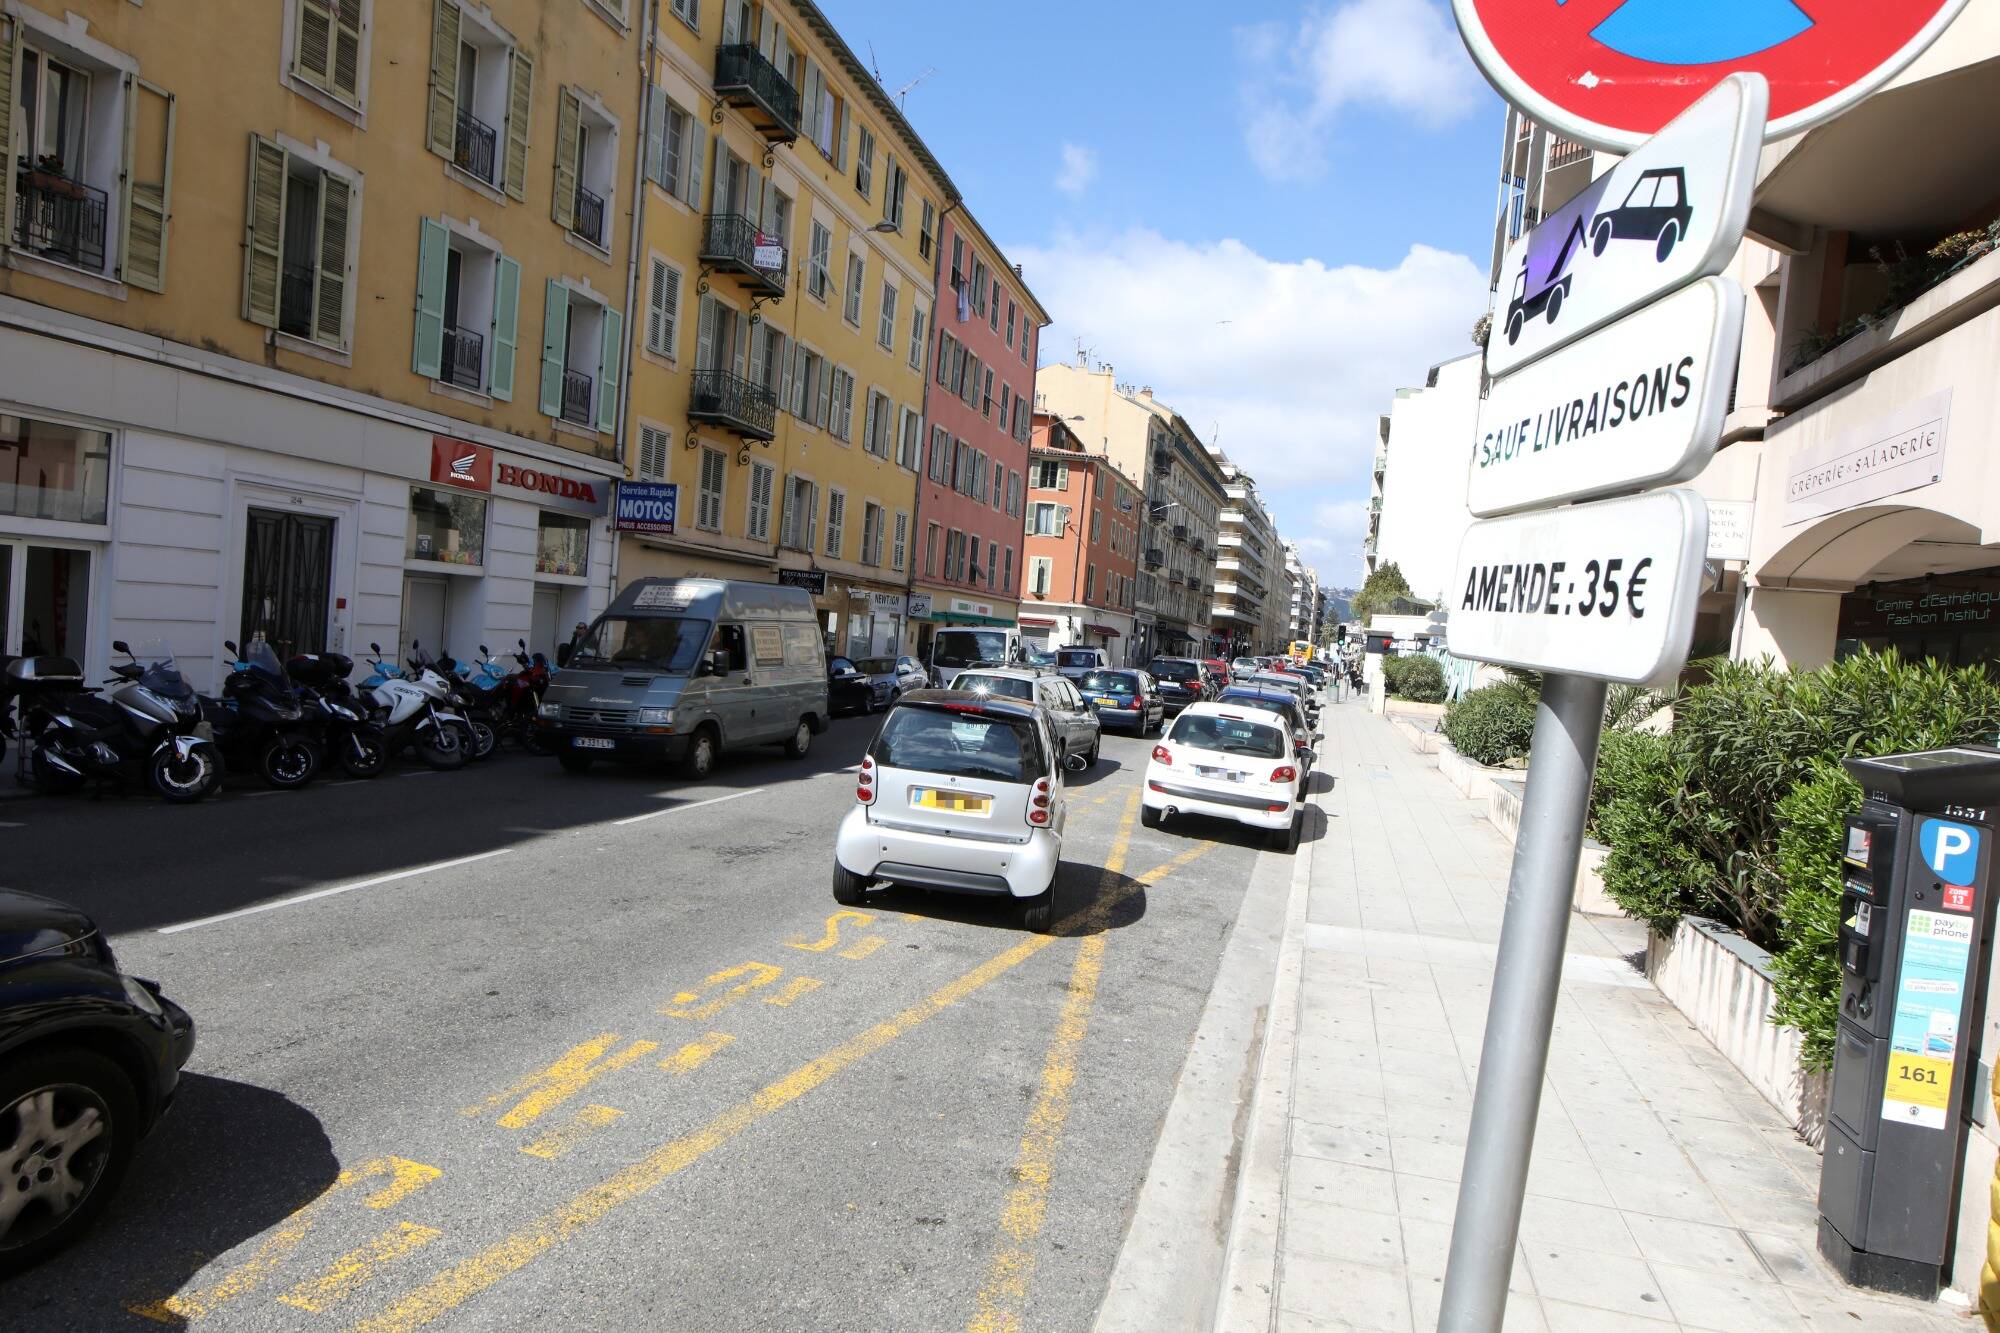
647	506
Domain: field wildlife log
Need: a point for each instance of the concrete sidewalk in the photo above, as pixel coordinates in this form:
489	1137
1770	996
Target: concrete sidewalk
1663	1192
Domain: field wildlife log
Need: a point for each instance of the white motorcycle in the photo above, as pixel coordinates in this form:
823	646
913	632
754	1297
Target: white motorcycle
416	712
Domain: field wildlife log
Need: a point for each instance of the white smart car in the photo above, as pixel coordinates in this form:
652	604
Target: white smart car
960	792
1227	761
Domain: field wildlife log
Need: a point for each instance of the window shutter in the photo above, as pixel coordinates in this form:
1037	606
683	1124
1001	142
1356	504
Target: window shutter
841	129
695	149
336	198
312	53
7	153
433	257
663	308
812	514
347	52
760	349
825	396
783	351
652	453
444	78
506	327
148	181
704	338
555	343
569	112
868	426
656	138
610	365
520	108
263	232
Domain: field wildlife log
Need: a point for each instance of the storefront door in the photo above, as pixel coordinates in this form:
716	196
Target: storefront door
44	600
425	603
287	580
545	627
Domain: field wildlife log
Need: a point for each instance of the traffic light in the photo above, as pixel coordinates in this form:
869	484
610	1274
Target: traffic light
1340	634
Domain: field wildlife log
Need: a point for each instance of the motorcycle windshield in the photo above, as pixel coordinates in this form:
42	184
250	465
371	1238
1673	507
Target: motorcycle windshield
163	674
260	658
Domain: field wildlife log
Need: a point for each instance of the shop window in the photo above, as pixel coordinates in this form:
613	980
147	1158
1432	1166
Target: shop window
447	527
562	544
53	472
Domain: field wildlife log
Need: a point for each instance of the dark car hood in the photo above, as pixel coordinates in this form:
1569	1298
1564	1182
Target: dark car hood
31	924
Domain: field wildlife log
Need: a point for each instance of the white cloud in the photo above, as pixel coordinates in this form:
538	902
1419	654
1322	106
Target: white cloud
1079	169
1294	362
1395	55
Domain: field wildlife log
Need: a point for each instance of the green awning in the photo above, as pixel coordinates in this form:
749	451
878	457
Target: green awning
966	618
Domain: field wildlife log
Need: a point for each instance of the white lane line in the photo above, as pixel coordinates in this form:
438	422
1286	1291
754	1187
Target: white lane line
328	893
676	809
5	823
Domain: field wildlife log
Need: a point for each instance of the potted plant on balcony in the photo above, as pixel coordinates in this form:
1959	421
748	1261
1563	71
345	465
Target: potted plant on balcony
47	177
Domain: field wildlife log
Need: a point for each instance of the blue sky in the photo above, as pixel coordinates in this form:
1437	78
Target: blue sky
1274	214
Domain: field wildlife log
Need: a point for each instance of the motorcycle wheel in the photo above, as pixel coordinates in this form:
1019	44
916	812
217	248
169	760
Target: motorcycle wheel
184	781
361	755
442	748
287	765
484	740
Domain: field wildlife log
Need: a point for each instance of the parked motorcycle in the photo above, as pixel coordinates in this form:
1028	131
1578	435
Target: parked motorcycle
513	697
471	700
150	732
335	716
416	713
259	723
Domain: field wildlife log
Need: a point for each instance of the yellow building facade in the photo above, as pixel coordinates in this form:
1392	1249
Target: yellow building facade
784	314
312	320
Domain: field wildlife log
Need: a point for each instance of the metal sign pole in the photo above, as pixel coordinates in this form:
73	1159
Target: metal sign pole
1526	979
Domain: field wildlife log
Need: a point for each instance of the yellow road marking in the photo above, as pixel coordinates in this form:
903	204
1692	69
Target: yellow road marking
684	1006
345	1275
864	946
695	1054
794	988
405	1178
832	936
546	1089
566	1136
455	1285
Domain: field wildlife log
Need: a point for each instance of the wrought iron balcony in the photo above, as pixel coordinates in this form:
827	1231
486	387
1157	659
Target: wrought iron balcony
1163	460
738	405
744	78
588	220
59	218
731	243
1180	532
576	398
1155	557
477	142
465	360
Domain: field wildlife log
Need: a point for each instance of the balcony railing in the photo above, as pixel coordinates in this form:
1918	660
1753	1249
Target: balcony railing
1180	532
1155	557
733	243
741	406
476	145
295	300
588	220
1381	461
59	218
576	398
1563	153
1163	460
465	361
745	78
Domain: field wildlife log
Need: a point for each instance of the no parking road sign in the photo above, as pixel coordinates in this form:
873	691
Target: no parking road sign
1611	72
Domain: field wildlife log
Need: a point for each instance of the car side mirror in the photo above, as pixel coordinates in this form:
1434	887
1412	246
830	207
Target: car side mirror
1075	763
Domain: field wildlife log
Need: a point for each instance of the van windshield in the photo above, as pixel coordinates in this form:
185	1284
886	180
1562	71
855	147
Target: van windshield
960	745
963	647
668	644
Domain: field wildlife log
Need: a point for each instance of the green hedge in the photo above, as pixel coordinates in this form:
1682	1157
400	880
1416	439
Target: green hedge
1492	725
1418	679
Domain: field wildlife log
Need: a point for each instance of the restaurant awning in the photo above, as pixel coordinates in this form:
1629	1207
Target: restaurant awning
1038	622
1108	631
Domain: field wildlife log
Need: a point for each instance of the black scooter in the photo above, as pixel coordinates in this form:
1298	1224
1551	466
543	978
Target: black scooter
259	722
150	732
346	736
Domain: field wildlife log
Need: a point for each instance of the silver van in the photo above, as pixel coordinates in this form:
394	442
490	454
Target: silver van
677	670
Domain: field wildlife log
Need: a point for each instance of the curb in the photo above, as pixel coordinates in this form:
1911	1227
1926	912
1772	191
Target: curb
1178	1259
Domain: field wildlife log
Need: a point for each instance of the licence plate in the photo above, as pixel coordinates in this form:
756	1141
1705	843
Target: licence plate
1225	774
1103	702
928	798
593	743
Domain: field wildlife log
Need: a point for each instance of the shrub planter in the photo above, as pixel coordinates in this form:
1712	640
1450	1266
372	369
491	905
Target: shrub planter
1472	780
1722	982
1409	708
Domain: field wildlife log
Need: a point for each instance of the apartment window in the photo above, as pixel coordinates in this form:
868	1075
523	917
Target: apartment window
881	425
920	315
909	438
899	548
298	264
885	328
801	519
811	388
871	534
708	508
927	233
757	523
836	523
1047	519
688	11
864	162
895	188
586	168
840	415
968	381
720	332
961	467
1007	570
978	285
468	312
1051	476
940	471
1041	573
1006	403
986	397
930	551
674	143
580	358
958	264
1089	582
769	358
1026	355
1014	490
945	345
857	278
992	564
328	46
663	309
819	275
1096	526
1011	311
993	313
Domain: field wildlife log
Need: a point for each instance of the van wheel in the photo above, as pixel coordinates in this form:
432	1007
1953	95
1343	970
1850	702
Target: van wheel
699	761
849	889
801	740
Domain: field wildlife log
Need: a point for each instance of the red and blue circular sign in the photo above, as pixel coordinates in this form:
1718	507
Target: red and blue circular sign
1611	73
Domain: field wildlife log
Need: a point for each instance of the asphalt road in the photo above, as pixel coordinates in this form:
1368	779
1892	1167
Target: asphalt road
631	1067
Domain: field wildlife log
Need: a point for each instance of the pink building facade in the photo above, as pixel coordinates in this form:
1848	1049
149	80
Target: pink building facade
979	406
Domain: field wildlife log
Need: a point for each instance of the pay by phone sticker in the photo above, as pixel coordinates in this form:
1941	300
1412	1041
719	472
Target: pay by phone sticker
1923	1045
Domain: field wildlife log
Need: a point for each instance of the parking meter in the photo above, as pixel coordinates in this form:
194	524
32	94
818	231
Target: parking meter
1915	936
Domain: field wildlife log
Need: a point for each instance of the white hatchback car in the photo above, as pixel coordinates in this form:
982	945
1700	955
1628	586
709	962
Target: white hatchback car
961	792
1231	762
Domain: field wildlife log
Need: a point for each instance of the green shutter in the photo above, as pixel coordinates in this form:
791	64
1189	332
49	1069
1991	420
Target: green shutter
520	105
506	326
330	296
610	350
148	184
433	260
555	342
568	113
443	135
7	153
263	232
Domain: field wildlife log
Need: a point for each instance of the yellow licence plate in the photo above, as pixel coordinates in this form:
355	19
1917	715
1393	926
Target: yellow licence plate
958	802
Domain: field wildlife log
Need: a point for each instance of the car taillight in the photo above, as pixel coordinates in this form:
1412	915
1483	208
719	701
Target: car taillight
1284	773
1038	804
864	790
1164	755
